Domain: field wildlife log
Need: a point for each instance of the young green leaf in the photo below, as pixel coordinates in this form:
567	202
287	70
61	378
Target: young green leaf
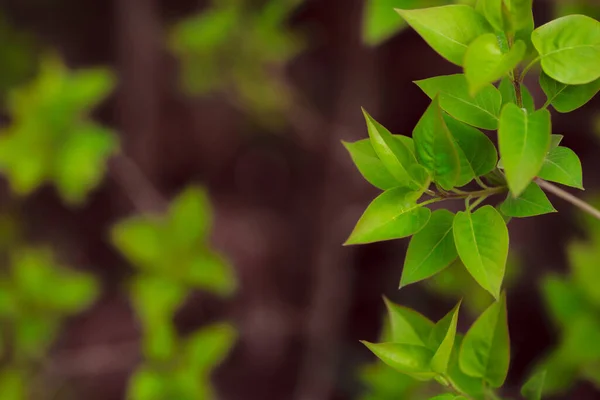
492	11
481	240
448	396
407	325
435	147
478	150
369	164
392	215
569	48
380	22
562	165
485	350
447	29
564	300
583	258
531	202
520	16
485	61
207	347
481	110
395	154
532	389
442	338
566	98
524	140
555	141
406	358
430	250
509	96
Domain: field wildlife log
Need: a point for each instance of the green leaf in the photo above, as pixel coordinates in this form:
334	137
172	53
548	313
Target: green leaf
369	164
485	61
485	350
509	96
492	11
556	139
407	325
447	29
566	98
562	165
208	347
430	250
147	384
394	214
395	154
435	148
531	202
569	48
481	110
190	218
524	140
481	240
473	387
81	161
406	358
478	150
14	384
564	301
532	389
380	22
139	240
520	17
583	259
448	396
443	335
209	271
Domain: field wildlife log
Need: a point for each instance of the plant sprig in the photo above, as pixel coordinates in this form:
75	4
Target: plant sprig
448	154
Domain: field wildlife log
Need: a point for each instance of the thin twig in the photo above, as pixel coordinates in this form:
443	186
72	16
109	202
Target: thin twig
582	205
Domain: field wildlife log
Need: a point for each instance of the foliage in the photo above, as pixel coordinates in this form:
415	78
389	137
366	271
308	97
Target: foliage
51	138
573	303
449	158
173	257
18	58
237	49
36	295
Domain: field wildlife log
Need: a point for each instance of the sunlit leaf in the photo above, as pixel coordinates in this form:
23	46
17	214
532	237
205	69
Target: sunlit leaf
485	350
435	147
430	250
485	62
569	48
408	326
524	140
447	29
370	166
562	165
531	202
567	98
481	239
406	358
481	110
444	333
392	215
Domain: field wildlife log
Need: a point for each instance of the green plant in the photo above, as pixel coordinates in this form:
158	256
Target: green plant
36	295
237	49
173	257
449	158
573	303
51	138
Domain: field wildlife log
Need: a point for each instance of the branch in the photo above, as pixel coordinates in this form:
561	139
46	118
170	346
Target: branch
582	205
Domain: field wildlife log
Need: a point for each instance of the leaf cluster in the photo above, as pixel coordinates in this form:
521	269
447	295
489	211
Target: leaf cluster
234	47
173	257
450	157
573	303
51	138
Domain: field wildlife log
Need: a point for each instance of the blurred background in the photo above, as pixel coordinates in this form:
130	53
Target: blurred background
174	197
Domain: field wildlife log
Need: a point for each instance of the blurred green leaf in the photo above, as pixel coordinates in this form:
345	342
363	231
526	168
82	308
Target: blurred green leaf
485	350
208	347
50	138
533	388
13	384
